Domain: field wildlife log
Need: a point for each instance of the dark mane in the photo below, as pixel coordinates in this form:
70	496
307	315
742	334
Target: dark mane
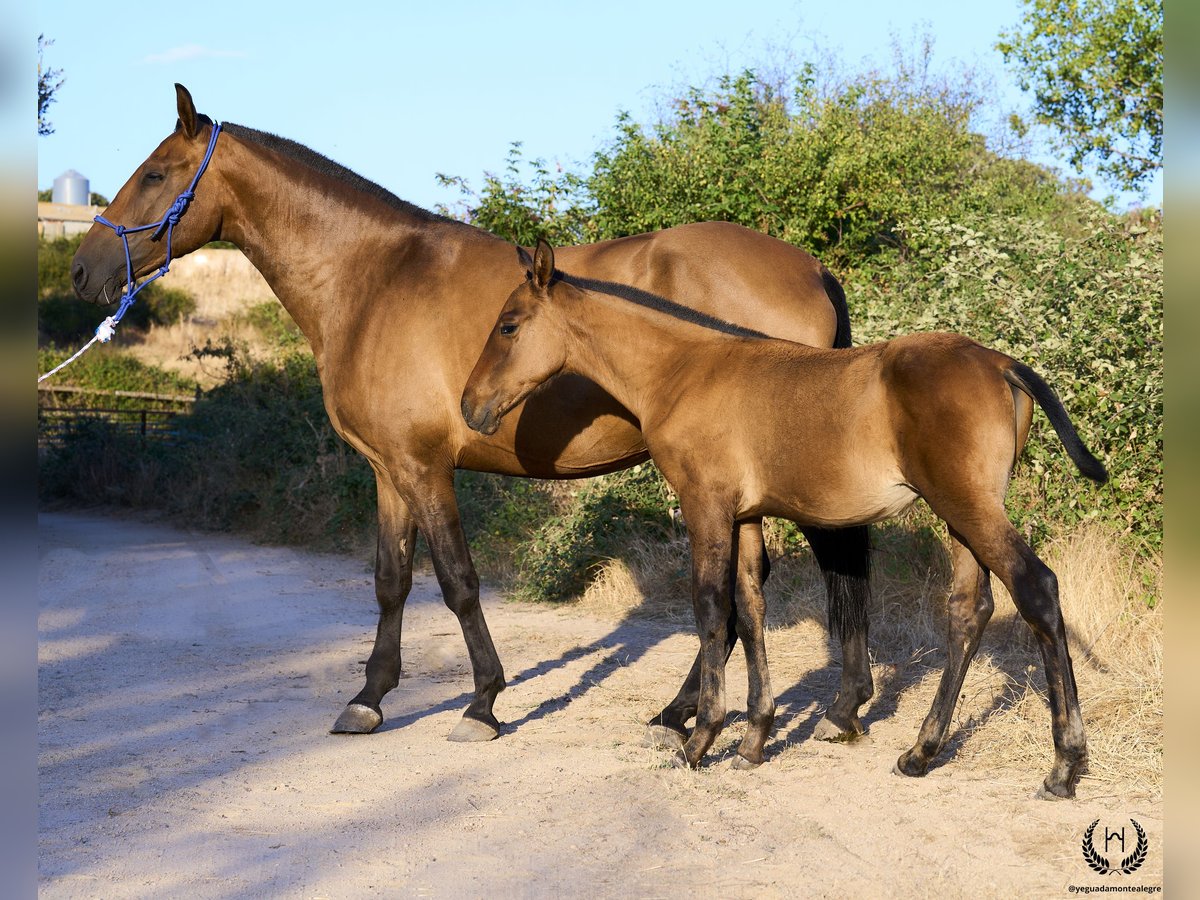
661	304
327	166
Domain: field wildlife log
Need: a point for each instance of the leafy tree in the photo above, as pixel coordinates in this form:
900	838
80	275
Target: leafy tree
549	206
834	170
49	81
1096	70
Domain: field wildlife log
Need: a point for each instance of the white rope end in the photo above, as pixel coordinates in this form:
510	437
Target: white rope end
105	330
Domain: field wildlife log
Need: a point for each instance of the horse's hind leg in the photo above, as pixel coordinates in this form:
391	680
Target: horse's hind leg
843	556
393	580
969	609
750	612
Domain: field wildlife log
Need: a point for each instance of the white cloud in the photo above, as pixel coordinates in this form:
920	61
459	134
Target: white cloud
190	51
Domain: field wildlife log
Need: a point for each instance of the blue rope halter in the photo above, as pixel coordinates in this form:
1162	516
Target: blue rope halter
167	223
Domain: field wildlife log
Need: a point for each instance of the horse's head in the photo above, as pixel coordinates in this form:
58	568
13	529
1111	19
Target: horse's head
98	270
525	349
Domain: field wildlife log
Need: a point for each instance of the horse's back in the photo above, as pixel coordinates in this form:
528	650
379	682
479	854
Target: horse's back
722	269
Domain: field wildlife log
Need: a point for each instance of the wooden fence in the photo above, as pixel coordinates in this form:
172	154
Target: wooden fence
150	416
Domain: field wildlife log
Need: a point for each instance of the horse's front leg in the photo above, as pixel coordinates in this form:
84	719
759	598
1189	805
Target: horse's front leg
436	510
710	535
393	580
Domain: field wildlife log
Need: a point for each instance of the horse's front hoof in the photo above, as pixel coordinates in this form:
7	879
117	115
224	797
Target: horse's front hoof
472	731
910	766
357	719
660	737
827	730
744	765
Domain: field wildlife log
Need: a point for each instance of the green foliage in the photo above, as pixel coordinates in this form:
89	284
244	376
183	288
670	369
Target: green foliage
1082	302
272	321
107	368
1096	71
498	515
49	81
547	206
255	454
602	518
833	171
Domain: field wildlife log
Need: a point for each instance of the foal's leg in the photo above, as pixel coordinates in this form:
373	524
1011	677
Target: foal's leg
843	556
1034	588
393	580
711	537
969	609
436	512
750	612
668	729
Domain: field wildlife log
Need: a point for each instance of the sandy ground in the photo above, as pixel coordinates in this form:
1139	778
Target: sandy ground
187	681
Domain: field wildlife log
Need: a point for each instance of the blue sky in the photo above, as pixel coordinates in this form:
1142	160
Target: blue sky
401	91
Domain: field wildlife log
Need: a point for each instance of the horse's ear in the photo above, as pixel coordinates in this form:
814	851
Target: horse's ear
188	119
543	264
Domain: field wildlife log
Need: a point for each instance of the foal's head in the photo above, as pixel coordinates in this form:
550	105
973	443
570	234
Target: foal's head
527	347
98	270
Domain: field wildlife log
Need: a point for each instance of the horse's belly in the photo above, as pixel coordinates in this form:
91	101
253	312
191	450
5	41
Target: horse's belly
838	504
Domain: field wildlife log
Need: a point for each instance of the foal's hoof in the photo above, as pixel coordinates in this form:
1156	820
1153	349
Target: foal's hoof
660	737
744	765
472	731
1050	791
826	730
680	761
357	719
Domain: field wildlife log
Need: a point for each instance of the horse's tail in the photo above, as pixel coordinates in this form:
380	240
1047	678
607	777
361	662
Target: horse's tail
1021	376
844	557
837	296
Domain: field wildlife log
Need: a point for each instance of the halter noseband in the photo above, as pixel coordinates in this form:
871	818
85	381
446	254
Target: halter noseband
167	223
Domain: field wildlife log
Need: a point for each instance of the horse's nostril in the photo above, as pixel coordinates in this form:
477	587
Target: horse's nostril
79	276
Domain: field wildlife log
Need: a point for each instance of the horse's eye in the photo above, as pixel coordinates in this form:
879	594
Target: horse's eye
152	178
508	328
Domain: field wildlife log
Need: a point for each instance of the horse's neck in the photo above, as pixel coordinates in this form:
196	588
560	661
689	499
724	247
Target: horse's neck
315	239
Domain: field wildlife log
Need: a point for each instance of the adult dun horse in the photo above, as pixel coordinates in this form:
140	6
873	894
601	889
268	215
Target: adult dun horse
396	303
726	413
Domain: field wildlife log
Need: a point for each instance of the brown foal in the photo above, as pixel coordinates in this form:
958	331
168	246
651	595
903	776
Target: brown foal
396	303
728	416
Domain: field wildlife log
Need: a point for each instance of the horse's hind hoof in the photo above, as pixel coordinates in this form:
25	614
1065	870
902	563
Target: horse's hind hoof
744	765
357	719
660	737
472	731
1055	792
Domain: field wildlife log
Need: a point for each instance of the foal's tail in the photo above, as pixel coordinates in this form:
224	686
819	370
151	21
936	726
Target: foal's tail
1021	376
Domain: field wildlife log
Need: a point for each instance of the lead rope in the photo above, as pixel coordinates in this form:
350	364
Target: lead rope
106	329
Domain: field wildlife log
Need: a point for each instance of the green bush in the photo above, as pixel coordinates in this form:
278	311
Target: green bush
603	517
1081	301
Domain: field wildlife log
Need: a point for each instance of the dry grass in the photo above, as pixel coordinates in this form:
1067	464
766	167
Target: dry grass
1002	721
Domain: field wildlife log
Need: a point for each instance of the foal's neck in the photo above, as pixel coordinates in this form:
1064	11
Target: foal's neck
639	355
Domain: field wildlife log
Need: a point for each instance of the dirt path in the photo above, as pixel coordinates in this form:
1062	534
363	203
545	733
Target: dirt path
187	682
